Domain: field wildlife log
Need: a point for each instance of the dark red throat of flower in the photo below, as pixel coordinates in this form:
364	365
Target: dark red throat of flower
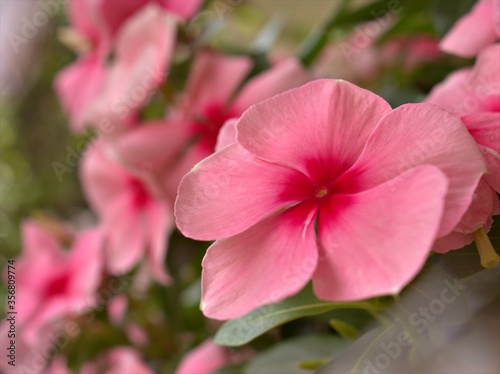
140	194
207	125
57	286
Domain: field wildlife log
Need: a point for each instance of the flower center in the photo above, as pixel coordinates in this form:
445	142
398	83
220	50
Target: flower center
321	192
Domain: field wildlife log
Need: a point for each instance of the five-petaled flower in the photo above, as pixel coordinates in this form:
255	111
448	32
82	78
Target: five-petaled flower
326	182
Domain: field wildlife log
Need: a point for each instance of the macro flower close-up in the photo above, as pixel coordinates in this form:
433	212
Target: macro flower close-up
249	186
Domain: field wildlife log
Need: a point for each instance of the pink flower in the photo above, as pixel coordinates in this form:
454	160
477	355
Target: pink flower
204	359
53	283
142	55
473	95
119	360
104	94
326	182
117	308
475	31
136	216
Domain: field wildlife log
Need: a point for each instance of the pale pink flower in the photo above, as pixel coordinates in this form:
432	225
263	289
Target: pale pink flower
473	95
135	216
204	359
327	182
119	360
475	31
53	283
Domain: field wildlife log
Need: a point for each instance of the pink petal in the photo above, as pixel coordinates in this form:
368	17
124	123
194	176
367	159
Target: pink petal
485	128
143	50
473	32
322	121
227	135
373	243
484	205
213	79
232	190
279	78
125	229
77	86
485	76
102	179
37	241
204	359
454	240
84	17
87	263
421	134
454	94
160	225
173	177
151	146
114	13
183	8
265	264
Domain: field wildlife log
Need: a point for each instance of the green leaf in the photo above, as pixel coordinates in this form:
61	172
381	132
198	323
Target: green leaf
297	356
243	330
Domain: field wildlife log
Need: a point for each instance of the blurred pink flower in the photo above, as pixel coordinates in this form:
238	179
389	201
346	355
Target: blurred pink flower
119	360
53	283
410	50
331	158
204	359
58	366
95	92
475	31
136	217
34	356
117	307
473	95
136	334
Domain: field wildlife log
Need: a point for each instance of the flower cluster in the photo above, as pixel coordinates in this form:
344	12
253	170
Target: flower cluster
294	179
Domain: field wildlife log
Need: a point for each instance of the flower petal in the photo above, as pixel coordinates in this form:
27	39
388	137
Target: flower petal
473	32
143	50
322	121
213	79
160	225
227	134
232	190
77	85
421	134
373	243
151	146
126	234
265	264
102	179
485	76
454	94
485	128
